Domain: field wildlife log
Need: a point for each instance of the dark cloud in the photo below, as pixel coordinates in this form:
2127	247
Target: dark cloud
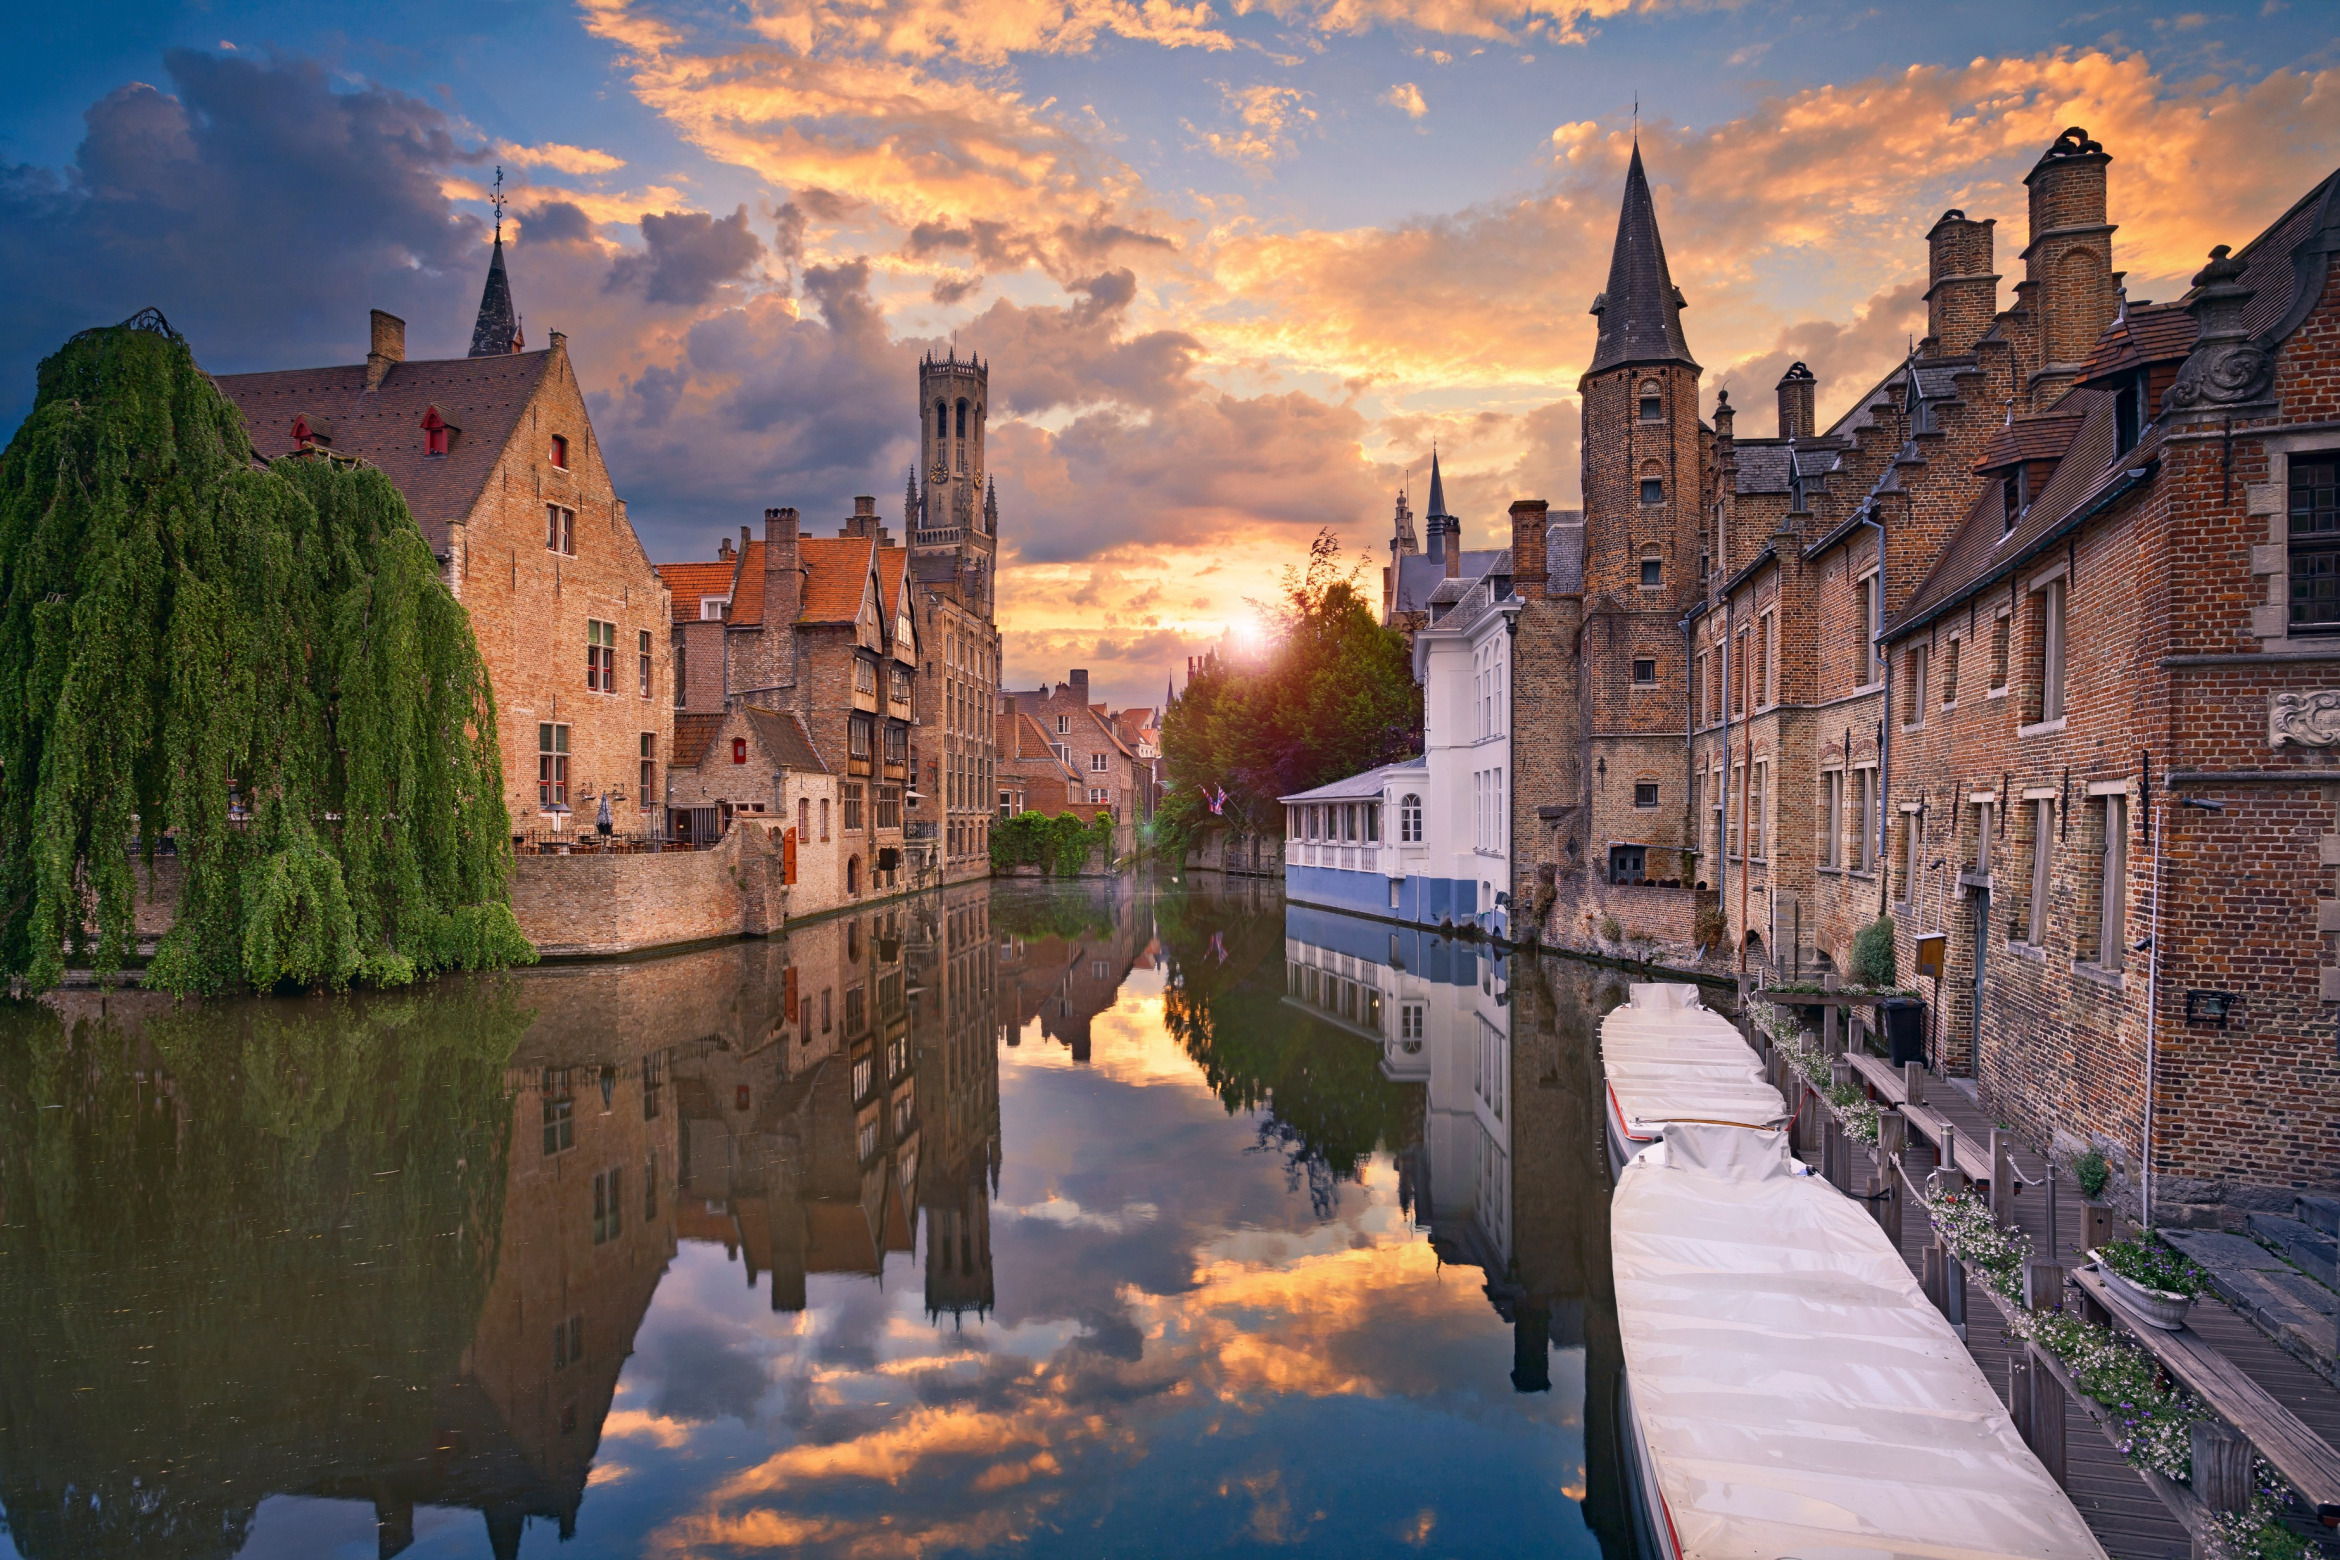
259	208
556	222
687	255
1061	251
1076	355
702	1375
950	289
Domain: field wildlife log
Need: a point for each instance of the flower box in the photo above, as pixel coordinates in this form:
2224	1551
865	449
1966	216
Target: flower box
2154	1307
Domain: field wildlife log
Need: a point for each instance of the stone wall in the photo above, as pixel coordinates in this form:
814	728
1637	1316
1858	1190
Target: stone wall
607	904
1628	921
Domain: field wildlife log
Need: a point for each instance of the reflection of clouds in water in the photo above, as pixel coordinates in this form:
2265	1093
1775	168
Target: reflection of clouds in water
1063	1210
703	1374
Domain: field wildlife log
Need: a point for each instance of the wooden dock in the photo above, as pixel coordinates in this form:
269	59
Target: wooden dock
2133	1514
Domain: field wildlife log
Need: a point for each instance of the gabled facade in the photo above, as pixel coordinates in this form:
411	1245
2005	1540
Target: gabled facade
496	458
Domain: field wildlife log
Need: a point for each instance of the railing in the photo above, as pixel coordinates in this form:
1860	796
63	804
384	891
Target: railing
586	842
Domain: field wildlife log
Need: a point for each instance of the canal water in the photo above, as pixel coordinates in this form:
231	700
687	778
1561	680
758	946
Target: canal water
1083	1219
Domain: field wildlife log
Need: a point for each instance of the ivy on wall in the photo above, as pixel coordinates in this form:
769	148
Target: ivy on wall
256	666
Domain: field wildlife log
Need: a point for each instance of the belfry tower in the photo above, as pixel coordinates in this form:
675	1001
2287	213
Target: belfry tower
954	508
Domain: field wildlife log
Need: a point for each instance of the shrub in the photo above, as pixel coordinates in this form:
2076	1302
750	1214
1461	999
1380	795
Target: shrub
2092	1173
1610	930
1872	954
1711	927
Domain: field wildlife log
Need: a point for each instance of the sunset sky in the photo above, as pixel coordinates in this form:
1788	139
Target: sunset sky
1235	265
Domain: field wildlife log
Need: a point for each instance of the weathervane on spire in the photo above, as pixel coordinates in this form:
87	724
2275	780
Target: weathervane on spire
496	199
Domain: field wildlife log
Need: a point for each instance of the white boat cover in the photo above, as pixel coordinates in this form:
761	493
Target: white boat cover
1667	1059
1795	1391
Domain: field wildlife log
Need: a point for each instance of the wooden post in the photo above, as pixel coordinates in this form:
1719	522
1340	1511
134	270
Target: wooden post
2046	1434
1889	1206
1840	1071
2002	1178
1952	1179
2053	1255
1828	1025
2043	1286
2019	1393
1913	1078
1930	1274
1892	1136
2101	1226
1839	1154
1953	1289
2222	1467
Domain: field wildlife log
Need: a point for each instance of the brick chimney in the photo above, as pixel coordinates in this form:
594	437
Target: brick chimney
1530	518
388	347
783	579
1796	390
1962	291
2068	263
724	551
863	522
1080	686
1453	553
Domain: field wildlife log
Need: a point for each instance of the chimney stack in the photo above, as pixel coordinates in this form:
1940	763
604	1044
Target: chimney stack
1796	388
2067	265
1962	291
1453	548
388	347
1530	519
1080	686
783	579
724	551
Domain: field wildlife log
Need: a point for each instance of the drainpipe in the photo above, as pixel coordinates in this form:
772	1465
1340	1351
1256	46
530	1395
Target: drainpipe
2152	1017
1875	629
1689	726
1722	844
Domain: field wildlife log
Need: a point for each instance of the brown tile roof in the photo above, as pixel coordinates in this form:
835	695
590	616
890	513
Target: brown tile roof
692	733
747	607
2152	333
2031	438
481	397
687	583
891	563
785	738
836	577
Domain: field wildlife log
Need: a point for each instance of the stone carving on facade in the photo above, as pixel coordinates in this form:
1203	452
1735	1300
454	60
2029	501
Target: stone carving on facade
2227	368
2309	719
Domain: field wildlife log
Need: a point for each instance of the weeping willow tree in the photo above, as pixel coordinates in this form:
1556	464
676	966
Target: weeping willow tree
257	663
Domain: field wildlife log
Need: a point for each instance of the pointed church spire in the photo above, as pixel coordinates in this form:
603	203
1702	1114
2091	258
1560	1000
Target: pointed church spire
1437	509
498	329
910	521
1641	312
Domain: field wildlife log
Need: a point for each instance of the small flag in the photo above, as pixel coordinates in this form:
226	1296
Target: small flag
1219	801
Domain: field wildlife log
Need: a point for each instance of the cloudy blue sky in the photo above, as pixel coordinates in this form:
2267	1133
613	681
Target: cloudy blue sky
1236	265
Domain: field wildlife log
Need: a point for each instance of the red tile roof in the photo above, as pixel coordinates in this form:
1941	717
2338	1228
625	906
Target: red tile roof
692	733
836	578
687	583
481	398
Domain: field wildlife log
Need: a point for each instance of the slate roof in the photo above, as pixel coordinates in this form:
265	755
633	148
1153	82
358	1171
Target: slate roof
1366	786
1564	552
481	398
2152	333
1764	468
785	738
1419	574
497	331
692	733
1641	309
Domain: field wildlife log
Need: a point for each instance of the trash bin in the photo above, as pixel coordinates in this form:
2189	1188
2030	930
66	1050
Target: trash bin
1902	1020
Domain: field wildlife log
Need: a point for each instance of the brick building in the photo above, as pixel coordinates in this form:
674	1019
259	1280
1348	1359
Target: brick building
762	763
495	455
1032	777
1089	742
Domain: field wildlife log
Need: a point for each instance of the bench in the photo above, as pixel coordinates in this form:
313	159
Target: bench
1886	1082
2304	1458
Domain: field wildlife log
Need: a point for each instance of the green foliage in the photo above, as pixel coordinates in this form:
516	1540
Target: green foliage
1332	695
1711	926
181	630
2154	1265
2092	1172
1060	846
1872	954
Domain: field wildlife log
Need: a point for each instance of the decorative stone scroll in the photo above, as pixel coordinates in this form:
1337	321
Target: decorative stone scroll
2226	368
2304	719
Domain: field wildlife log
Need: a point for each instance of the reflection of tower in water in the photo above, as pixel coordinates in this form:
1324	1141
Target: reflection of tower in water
954	1017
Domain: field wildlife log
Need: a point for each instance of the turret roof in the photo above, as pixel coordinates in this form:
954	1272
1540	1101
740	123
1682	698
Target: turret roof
498	331
1641	311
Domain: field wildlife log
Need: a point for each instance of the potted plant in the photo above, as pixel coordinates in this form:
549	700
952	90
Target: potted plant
2152	1280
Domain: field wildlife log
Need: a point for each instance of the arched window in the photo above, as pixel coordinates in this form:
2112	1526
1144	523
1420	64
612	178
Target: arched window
962	417
853	875
1410	820
942	421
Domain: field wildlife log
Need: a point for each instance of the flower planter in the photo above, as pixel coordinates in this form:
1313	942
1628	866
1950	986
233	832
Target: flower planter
2154	1307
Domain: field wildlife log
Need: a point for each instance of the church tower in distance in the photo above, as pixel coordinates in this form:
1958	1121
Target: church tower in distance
956	510
951	514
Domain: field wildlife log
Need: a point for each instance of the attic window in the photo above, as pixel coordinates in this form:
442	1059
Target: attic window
712	609
434	432
739	750
559	455
2011	497
308	432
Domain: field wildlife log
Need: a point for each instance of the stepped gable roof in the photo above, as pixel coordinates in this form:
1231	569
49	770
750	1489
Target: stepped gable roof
1418	575
2031	438
786	740
1983	548
482	399
690	583
497	331
836	577
1641	309
692	733
1564	552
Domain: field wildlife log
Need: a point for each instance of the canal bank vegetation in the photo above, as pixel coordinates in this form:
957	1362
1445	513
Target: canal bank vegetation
255	667
1333	693
1060	846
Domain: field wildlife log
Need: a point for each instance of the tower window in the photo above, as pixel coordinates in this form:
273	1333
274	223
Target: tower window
1645	672
1653	490
1653	572
1653	407
942	419
962	419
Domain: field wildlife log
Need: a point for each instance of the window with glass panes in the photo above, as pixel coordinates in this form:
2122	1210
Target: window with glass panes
2315	545
644	662
600	656
552	765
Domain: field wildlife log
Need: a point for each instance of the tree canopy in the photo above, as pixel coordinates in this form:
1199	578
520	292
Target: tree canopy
256	666
1333	694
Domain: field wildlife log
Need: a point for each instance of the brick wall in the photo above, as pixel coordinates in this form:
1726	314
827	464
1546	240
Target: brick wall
595	904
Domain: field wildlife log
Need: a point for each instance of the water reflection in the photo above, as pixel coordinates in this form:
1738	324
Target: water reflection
1062	1218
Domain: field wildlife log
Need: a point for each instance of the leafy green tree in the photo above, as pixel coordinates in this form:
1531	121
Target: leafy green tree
1334	694
258	663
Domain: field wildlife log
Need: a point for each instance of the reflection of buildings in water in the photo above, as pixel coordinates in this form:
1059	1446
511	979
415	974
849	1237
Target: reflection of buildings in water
954	1015
1494	1123
1065	982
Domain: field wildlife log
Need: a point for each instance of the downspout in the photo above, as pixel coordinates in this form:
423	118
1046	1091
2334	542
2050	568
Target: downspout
1875	629
2152	1018
1722	844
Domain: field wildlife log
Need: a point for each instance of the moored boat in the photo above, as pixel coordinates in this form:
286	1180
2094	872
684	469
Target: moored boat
1665	1057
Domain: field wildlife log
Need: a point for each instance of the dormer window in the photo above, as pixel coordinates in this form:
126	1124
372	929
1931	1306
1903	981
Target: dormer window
2128	416
713	609
2012	497
435	432
308	432
559	454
